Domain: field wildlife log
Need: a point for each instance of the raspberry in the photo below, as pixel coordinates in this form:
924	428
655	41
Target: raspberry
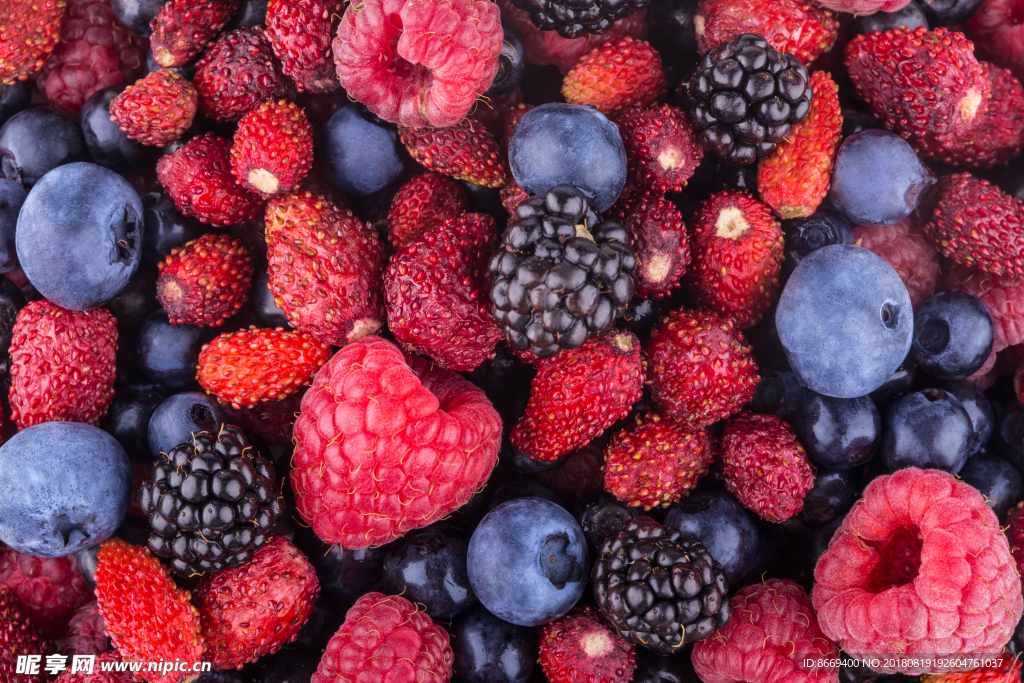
425	202
788	25
85	633
904	247
18	637
579	647
29	30
237	72
408	64
1005	669
579	474
657	236
616	76
100	673
998	27
1004	297
772	637
300	32
919	567
385	638
662	151
206	281
863	6
49	589
386	444
466	151
273	148
157	109
181	29
1015	533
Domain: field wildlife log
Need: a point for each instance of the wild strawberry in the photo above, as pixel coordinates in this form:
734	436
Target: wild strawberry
616	76
512	196
466	151
422	204
581	647
250	366
205	281
657	236
157	109
237	72
510	119
272	421
300	32
18	637
794	26
273	148
662	151
182	28
29	30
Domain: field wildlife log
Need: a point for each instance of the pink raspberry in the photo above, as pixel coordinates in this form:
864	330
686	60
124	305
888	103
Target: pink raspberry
418	63
388	443
49	589
772	637
904	247
998	33
919	568
86	634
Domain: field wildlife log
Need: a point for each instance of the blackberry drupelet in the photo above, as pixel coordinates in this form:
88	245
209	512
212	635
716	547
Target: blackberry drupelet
572	18
561	275
660	588
210	502
744	97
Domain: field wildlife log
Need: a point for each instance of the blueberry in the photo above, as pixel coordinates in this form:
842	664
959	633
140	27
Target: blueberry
79	235
136	301
998	481
14	98
251	13
926	429
978	407
127	419
779	392
137	14
510	61
428	567
822	228
166	227
839	433
180	416
899	382
877	178
11	301
602	518
528	561
952	335
1009	440
834	491
858	118
186	70
845	321
641	316
109	146
949	12
654	667
264	308
911	16
724	527
87	560
64	486
12	196
490	650
522	488
359	152
40	140
556	144
290	664
169	353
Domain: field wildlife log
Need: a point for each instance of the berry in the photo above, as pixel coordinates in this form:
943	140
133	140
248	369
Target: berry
249	366
996	479
62	364
952	335
178	417
438	57
39	140
254	609
271	421
920	547
443	422
1001	294
105	670
300	32
157	109
661	147
109	146
30	32
904	247
326	268
779	392
618	75
273	148
168	353
359	153
1015	533
838	433
147	617
12	197
428	567
804	235
997	26
927	429
426	202
580	647
789	26
466	151
725	528
166	227
198	178
978	407
910	15
85	633
602	518
737	254
49	590
236	73
578	20
18	638
436	291
206	281
488	649
511	61
950	12
773	629
182	28
795	179
699	367
656	461
386	637
658	239
579	394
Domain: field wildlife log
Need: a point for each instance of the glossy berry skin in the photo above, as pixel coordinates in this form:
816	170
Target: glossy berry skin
490	650
166	227
823	227
779	392
978	407
839	433
725	528
844	320
428	567
180	416
602	518
511	61
996	479
358	153
64	486
108	144
14	98
12	196
137	14
950	12
168	353
834	491
261	300
504	561
928	429
910	16
41	139
128	417
952	335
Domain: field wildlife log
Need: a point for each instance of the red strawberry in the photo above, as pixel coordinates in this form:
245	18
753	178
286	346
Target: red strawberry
795	178
737	248
326	268
250	366
206	281
49	589
62	364
18	637
436	291
300	32
157	109
616	76
794	26
237	72
182	28
662	151
578	394
466	151
581	647
273	148
657	236
29	30
422	204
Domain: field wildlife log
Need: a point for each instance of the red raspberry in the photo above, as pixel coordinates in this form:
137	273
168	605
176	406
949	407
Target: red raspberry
1005	669
466	151
300	32
29	30
436	291
18	636
418	64
616	76
788	25
863	6
579	474
657	236
237	72
49	589
157	109
1015	531
205	281
182	28
273	148
62	364
198	178
85	633
1004	297
580	647
919	566
904	247
566	52
422	204
510	119
661	149
99	674
772	637
386	638
998	28
388	443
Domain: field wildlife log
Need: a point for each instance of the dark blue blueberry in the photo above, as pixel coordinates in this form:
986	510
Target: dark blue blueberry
998	481
14	98
428	567
109	146
137	14
510	61
724	527
641	316
12	196
324	621
528	561
358	152
290	664
228	676
127	419
834	491
251	13
654	667
602	518
1008	441
180	416
840	433
858	118
949	12
557	143
264	308
490	650
521	462
911	16
347	574
79	235
522	488
978	407
11	301
40	140
64	486
779	392
877	178
952	335
166	227
731	177
169	353
845	321
899	382
87	560
926	429
136	301
200	125
822	228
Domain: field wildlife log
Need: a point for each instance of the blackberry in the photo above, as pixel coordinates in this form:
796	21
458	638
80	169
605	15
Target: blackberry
603	518
561	275
572	18
744	97
210	502
659	588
